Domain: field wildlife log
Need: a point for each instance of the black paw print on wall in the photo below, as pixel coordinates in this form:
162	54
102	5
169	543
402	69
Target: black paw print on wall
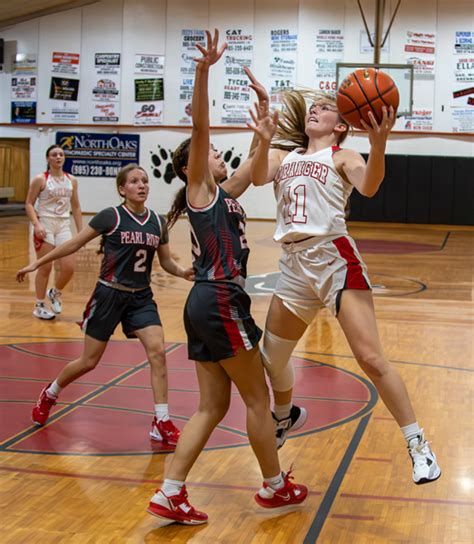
162	166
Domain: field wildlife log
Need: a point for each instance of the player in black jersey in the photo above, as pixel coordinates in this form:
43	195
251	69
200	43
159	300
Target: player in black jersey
131	235
222	335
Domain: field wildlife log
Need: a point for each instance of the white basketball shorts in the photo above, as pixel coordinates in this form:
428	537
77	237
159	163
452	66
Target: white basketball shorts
58	230
314	274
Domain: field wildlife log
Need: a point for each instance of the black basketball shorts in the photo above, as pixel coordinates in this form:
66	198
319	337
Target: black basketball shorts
108	307
218	321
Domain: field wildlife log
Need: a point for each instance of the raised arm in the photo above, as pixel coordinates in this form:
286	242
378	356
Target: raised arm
367	178
265	162
72	245
240	179
201	186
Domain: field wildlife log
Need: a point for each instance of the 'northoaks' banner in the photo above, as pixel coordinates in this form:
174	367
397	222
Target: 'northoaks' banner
98	155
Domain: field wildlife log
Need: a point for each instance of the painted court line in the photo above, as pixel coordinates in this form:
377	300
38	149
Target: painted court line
331	493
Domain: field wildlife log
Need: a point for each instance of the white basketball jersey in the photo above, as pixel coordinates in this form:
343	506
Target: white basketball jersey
54	200
311	197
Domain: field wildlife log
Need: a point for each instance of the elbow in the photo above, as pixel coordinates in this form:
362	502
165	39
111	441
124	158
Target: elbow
369	194
369	190
258	182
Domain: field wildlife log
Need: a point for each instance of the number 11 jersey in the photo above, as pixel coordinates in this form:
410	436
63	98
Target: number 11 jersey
311	197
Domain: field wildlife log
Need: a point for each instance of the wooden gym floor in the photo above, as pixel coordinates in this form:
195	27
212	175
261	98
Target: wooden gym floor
88	475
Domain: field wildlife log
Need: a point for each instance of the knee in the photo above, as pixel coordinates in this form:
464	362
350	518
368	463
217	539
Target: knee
374	365
215	411
156	356
260	402
276	353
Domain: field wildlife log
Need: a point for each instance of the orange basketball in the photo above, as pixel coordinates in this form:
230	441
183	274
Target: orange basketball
364	90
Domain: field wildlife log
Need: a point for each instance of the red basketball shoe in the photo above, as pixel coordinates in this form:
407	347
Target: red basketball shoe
40	412
165	431
175	508
289	494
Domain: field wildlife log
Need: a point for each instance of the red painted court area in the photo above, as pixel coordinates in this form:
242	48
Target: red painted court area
109	410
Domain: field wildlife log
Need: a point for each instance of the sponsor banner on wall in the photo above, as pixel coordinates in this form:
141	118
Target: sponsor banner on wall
64	89
329	51
25	64
236	97
282	69
420	50
149	90
463	69
98	155
24	88
148	113
65	63
421	120
464	42
462	82
187	69
23	112
107	63
149	100
105	90
152	65
462	119
65	113
106	112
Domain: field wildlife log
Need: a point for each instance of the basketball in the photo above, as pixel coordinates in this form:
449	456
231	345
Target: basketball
364	90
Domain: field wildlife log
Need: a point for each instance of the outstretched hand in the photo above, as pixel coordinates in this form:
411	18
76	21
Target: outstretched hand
265	122
211	53
21	274
378	133
259	89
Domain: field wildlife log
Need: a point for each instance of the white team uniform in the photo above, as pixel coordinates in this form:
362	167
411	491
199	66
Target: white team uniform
53	207
319	259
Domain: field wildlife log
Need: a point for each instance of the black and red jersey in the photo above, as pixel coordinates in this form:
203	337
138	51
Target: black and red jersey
219	247
130	243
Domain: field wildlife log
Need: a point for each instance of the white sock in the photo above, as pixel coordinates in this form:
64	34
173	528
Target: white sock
276	482
161	412
54	389
411	431
282	411
171	487
39	302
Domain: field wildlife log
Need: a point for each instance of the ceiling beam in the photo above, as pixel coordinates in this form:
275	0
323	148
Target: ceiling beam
47	11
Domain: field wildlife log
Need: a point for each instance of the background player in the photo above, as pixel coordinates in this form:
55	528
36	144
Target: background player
132	234
320	265
54	193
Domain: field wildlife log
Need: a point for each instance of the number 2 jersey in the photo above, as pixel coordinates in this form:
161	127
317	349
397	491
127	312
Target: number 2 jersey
219	247
311	197
130	243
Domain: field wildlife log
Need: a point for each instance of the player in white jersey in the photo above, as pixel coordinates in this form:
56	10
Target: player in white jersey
51	199
320	265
